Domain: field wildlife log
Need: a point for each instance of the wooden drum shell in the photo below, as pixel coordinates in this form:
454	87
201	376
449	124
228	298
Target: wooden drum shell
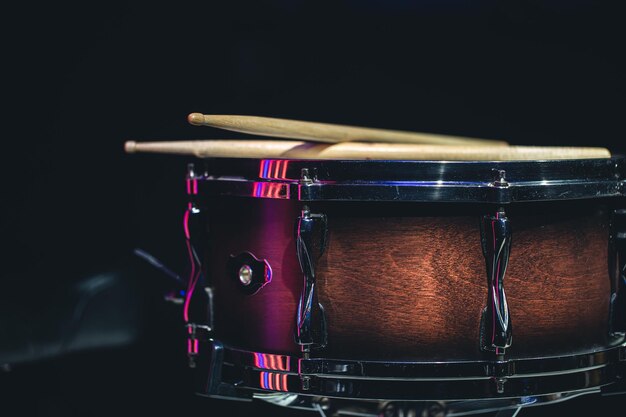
408	281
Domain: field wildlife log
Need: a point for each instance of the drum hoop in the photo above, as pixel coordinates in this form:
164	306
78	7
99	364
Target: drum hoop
404	380
498	182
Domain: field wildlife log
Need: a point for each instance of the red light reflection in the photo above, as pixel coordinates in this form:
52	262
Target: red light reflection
273	381
273	169
273	362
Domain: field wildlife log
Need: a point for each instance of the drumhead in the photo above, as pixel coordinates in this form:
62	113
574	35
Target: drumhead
419	181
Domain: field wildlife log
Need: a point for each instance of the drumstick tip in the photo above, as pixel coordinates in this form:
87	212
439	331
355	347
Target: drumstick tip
130	146
195	119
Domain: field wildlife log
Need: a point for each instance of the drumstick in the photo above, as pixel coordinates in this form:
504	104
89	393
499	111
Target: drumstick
356	150
324	132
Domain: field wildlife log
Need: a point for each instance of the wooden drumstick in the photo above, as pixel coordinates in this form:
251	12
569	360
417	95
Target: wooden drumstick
356	150
330	133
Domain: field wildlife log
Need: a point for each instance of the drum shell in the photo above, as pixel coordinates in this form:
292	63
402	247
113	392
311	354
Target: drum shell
408	281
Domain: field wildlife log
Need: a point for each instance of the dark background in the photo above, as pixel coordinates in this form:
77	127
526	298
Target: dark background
80	79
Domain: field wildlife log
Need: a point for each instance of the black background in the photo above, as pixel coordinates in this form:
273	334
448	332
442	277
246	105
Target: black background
80	79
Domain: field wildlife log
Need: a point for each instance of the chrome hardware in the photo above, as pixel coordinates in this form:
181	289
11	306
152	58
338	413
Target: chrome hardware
617	273
193	333
500	180
199	328
245	275
311	232
198	295
193	219
249	272
306	382
191	173
305	176
500	385
496	331
210	310
528	380
418	181
198	301
193	312
496	243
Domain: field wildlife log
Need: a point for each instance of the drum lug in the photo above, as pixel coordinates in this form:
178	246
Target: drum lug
311	231
496	328
617	273
198	302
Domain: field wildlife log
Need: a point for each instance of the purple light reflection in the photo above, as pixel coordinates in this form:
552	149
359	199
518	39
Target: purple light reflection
273	381
270	361
273	169
270	190
195	272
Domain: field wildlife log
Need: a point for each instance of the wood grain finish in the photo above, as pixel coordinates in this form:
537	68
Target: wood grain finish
408	281
219	148
557	283
402	287
325	132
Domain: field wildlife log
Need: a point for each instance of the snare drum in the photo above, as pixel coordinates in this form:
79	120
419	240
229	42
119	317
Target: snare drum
475	285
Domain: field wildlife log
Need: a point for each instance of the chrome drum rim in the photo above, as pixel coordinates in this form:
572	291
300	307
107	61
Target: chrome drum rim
498	182
244	373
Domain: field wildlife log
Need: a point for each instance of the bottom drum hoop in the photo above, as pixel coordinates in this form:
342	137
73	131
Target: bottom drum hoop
239	373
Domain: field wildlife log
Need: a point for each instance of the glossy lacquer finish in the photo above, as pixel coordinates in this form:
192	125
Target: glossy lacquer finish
265	228
408	281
